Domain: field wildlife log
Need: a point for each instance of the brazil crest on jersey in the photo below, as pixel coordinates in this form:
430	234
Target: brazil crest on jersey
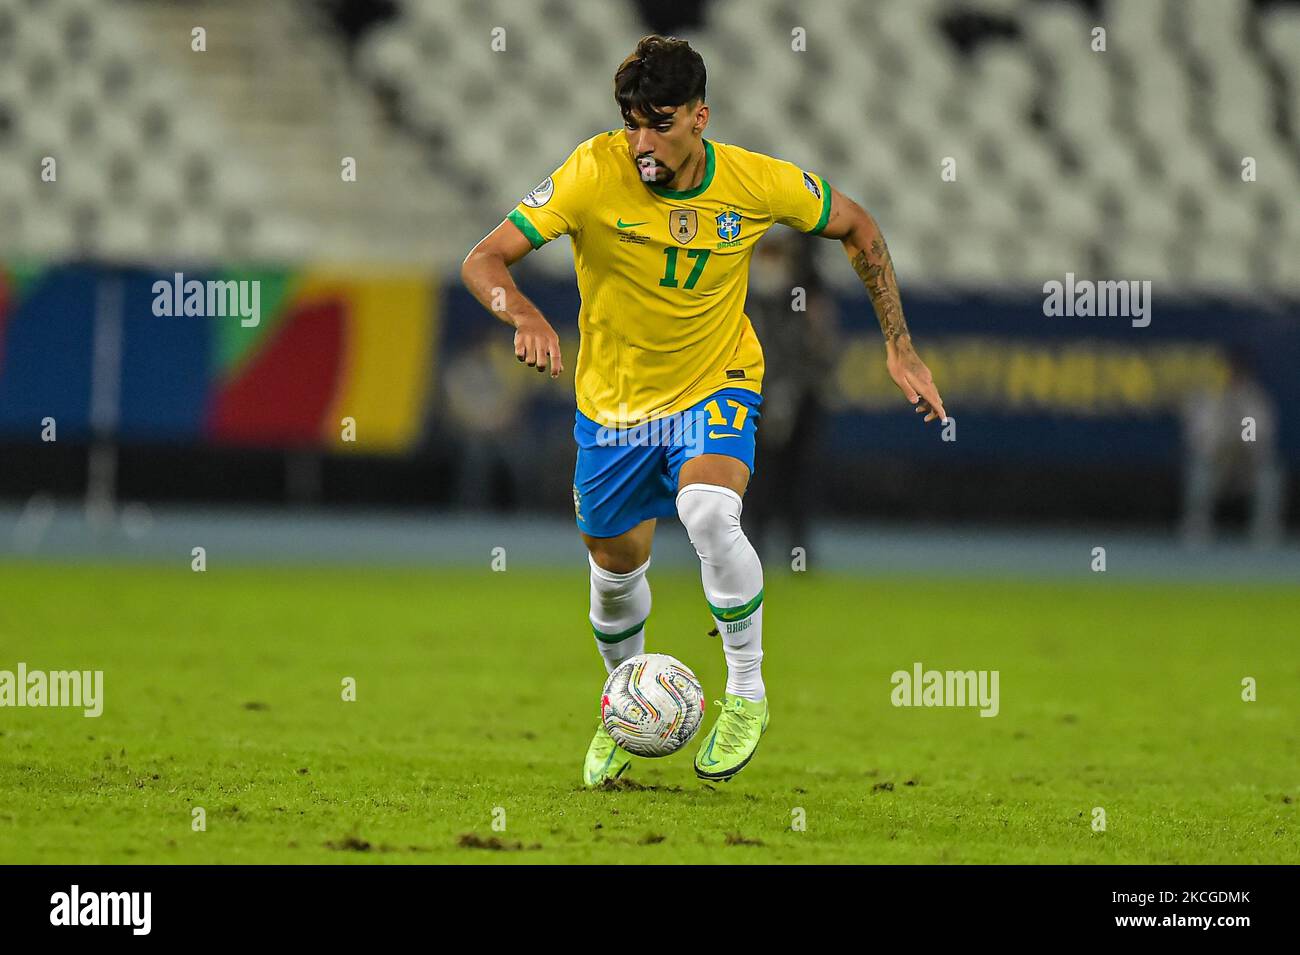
662	273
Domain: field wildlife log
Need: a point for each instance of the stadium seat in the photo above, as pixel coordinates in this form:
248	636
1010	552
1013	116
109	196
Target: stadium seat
1131	150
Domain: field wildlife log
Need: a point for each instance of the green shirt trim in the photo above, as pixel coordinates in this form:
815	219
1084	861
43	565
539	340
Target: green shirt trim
710	164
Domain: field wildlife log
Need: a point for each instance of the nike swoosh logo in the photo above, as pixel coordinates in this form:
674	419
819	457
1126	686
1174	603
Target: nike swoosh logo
707	758
714	434
604	769
628	225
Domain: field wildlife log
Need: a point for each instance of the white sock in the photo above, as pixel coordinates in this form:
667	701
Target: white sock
620	604
733	581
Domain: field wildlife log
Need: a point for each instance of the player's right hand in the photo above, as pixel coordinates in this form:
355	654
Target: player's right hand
537	345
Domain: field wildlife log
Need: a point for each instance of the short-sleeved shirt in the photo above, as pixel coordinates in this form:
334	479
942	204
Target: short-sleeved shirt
662	273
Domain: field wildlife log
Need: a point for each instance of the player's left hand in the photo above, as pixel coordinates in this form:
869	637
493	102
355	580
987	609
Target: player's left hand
911	375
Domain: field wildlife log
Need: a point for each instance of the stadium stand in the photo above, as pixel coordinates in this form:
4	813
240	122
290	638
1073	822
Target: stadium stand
1066	158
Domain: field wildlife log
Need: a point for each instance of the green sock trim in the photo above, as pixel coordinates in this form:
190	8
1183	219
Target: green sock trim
731	614
616	637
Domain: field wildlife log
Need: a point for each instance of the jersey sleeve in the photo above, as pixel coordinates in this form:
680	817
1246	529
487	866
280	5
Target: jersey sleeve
799	199
556	206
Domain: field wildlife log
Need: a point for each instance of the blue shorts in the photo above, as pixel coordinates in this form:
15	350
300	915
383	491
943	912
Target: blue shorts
628	475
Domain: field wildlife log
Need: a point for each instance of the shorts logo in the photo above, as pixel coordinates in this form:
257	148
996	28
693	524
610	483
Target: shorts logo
540	195
682	224
728	225
811	185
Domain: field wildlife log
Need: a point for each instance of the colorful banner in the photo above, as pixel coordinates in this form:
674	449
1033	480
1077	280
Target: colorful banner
270	358
311	357
1022	385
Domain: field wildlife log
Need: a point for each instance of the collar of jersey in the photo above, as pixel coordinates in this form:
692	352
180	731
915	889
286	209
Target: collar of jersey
704	183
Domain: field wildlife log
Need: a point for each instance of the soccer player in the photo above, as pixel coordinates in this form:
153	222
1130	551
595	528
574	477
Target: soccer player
669	376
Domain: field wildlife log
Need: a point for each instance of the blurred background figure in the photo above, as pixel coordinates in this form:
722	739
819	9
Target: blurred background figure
1230	450
484	406
796	321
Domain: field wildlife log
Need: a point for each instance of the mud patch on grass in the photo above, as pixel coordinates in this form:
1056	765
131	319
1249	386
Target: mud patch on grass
632	786
354	843
472	840
348	844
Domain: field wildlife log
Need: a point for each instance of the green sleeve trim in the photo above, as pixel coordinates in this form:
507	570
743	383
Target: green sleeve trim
730	614
527	228
616	637
826	208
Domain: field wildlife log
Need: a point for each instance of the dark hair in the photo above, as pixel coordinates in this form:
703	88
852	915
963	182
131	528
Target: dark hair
664	71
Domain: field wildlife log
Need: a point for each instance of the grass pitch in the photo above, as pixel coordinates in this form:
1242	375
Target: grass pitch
477	695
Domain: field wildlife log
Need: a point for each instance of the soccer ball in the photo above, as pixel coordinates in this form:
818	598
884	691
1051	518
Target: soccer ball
652	704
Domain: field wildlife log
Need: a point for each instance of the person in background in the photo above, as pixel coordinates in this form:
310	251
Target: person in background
1222	458
798	333
483	405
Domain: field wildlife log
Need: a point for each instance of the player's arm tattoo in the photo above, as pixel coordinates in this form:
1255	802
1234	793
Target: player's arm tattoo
876	270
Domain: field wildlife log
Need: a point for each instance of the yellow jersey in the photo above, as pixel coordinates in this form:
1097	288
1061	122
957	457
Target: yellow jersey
663	274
